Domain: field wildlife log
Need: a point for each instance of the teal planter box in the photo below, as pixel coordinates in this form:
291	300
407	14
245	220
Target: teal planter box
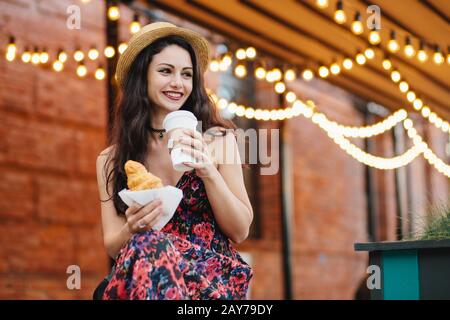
410	270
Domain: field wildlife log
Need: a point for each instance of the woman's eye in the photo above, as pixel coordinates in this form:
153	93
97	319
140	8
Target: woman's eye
164	70
188	75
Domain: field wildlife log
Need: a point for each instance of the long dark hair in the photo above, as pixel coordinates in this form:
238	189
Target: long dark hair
132	114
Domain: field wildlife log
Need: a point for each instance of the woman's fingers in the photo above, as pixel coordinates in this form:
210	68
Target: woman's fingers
135	214
150	219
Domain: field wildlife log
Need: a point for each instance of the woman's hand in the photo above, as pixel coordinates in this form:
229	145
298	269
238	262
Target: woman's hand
143	218
194	145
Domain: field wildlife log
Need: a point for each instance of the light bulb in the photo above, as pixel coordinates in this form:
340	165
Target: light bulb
62	56
260	73
404	87
214	66
109	52
307	74
393	44
26	56
78	55
339	14
280	87
250	52
374	37
100	73
58	65
347	63
409	49
323	72
387	64
93	54
395	76
81	70
335	69
360	59
113	13
289	75
357	26
369	53
240	54
322	4
122	47
411	96
240	71
437	57
135	25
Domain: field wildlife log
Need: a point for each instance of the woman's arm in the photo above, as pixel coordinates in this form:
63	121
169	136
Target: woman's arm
115	229
226	189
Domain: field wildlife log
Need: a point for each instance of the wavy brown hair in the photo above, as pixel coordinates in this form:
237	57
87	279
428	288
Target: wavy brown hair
132	115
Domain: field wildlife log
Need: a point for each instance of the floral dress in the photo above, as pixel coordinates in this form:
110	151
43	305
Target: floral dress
190	258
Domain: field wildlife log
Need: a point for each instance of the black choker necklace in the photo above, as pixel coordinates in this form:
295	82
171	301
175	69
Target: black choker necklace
160	131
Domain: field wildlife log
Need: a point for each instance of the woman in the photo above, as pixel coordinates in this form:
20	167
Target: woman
192	256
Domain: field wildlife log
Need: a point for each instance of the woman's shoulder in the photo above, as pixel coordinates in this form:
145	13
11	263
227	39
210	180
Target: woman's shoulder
108	151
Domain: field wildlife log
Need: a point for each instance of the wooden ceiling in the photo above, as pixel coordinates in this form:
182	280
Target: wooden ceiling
300	33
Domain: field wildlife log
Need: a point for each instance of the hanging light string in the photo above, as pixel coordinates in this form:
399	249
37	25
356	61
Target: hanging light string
417	103
393	45
58	59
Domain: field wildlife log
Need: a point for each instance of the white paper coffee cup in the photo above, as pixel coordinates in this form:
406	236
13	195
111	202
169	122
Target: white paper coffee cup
172	123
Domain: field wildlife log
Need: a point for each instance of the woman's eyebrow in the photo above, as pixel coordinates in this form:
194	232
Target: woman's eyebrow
167	64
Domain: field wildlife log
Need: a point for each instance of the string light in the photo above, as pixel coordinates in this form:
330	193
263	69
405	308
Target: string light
335	69
422	54
58	65
78	55
448	54
81	70
93	53
411	96
135	25
403	86
374	37
26	56
437	57
360	59
387	64
323	72
35	56
369	53
357	26
347	63
109	52
393	44
339	14
240	54
240	71
395	76
214	65
290	75
322	4
307	74
280	87
43	56
11	49
250	52
100	73
122	47
409	49
417	104
260	73
291	97
62	56
426	112
113	12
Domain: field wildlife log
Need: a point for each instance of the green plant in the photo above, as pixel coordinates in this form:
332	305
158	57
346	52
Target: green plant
437	226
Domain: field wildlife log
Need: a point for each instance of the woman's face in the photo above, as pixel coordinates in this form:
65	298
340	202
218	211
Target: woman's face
169	78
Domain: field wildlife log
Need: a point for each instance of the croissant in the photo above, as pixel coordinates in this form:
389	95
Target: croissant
138	178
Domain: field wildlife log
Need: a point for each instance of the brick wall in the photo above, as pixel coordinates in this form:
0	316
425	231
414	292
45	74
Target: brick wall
53	127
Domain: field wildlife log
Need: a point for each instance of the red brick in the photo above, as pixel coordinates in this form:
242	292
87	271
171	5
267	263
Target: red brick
17	194
31	247
89	144
90	252
68	200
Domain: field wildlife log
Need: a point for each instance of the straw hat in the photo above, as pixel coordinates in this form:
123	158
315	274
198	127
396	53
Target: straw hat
154	31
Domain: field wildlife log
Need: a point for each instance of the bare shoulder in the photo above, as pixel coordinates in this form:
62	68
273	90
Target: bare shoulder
107	151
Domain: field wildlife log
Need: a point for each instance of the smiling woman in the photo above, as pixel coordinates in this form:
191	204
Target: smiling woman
192	257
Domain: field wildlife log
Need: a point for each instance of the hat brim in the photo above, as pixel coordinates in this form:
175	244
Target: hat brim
145	38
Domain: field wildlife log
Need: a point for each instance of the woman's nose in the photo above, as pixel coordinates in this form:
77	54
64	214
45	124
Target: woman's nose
176	81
